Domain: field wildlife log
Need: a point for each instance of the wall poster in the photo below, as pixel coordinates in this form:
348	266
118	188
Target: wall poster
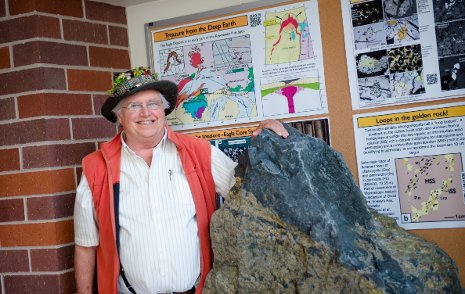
411	164
244	67
234	141
404	51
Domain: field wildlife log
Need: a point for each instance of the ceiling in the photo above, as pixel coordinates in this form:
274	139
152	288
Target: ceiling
124	3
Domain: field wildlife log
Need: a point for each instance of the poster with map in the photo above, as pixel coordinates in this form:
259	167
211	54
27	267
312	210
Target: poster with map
411	164
244	67
404	51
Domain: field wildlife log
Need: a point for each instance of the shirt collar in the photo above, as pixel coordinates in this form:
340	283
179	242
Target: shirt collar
127	148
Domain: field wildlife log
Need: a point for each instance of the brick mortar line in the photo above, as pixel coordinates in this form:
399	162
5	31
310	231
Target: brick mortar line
21	248
36	222
15	101
65	17
48	143
21	159
93	105
58	194
29	257
33	170
7	14
53	273
25	209
49	117
10	51
84	12
54	91
70	124
59	66
62	41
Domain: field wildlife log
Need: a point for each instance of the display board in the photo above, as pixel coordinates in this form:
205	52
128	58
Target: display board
411	164
244	67
404	51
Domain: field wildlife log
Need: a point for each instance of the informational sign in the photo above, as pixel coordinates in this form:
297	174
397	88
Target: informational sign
404	51
234	141
410	164
243	67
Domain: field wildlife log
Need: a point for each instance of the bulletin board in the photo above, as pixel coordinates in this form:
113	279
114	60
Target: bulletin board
336	112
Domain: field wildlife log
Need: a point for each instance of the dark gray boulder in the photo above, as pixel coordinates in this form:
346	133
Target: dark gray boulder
296	222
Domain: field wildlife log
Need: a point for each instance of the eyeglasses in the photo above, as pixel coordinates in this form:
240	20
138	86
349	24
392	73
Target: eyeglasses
136	107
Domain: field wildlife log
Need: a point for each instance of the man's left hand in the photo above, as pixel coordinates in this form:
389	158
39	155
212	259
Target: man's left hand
271	124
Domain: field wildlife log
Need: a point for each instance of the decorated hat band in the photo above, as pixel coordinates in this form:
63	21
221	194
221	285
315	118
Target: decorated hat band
126	81
132	84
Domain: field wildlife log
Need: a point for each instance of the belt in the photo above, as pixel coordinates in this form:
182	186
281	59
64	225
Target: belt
191	291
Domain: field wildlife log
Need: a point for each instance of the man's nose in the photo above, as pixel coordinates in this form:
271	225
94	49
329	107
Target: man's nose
144	110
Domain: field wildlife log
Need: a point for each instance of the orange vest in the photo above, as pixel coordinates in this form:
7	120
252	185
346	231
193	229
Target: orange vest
102	171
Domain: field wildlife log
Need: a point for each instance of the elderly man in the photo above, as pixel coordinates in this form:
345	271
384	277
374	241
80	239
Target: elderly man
144	203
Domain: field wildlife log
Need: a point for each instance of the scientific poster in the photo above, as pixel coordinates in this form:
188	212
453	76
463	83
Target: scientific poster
234	141
404	51
411	164
243	68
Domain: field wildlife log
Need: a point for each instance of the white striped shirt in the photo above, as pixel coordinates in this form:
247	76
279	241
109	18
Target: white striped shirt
160	248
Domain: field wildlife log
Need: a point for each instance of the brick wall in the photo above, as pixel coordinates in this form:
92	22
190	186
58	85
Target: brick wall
56	62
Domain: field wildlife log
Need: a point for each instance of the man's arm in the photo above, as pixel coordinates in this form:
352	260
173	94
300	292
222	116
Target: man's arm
84	267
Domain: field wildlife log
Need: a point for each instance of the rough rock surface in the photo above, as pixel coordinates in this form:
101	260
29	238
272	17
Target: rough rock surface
296	222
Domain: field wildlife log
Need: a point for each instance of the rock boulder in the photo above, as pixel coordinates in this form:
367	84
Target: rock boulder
296	222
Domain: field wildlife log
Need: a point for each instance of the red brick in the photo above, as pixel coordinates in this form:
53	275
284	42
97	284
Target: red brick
105	12
40	284
49	260
37	183
108	57
62	7
79	174
55	155
13	261
5	56
118	36
37	234
34	131
12	210
2	8
54	104
51	207
27	27
49	52
92	128
89	80
75	30
9	159
98	102
32	79
7	108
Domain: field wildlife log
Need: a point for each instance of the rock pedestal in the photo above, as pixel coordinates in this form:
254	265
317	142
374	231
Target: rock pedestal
296	222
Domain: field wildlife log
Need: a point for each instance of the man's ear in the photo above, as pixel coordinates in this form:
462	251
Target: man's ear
118	117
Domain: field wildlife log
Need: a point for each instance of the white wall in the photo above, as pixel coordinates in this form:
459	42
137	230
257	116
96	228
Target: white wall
139	15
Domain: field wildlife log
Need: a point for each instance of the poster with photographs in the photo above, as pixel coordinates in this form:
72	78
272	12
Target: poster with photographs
404	51
411	164
235	141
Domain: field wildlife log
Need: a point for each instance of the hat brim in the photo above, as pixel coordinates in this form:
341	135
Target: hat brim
167	88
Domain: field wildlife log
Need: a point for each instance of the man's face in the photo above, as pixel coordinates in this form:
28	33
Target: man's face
141	124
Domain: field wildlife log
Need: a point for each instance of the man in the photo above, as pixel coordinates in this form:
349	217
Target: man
145	199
